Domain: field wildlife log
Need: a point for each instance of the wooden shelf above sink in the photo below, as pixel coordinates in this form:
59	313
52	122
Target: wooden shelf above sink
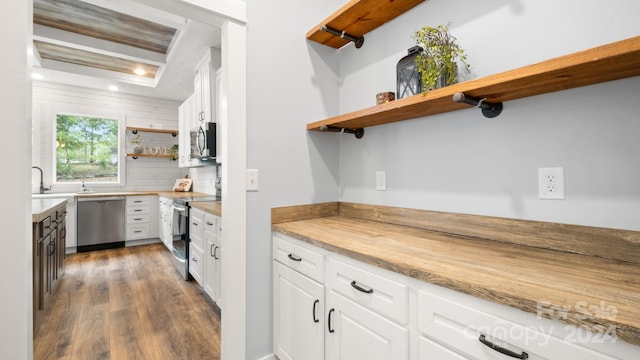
617	60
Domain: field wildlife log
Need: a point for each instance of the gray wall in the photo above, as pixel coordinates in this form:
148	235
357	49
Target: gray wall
289	82
463	162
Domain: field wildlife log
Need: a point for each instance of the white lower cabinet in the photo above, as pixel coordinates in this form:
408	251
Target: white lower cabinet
299	319
327	306
352	325
212	257
455	326
142	217
165	214
196	244
356	333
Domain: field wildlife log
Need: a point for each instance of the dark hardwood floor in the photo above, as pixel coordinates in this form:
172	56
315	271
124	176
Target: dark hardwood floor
128	303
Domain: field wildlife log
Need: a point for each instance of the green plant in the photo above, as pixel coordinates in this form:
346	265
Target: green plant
174	152
438	62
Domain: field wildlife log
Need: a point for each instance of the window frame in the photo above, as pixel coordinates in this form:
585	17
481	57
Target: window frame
74	186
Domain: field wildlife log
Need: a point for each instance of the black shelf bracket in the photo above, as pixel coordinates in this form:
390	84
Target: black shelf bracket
174	134
358	133
358	41
489	110
134	131
134	157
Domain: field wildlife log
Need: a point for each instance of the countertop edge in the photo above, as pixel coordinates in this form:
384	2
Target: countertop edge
45	208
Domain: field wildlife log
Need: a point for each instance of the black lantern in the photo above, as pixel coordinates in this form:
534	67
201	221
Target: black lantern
409	81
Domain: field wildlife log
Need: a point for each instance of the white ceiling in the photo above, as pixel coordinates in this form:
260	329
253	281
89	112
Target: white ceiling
175	77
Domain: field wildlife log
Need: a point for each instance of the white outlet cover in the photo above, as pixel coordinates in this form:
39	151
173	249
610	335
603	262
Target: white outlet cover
551	183
381	180
252	180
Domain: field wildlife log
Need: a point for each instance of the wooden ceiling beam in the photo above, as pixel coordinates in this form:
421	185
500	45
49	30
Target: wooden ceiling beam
91	44
142	11
111	76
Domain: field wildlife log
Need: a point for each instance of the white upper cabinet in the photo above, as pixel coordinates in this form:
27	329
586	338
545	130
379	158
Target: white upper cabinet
204	86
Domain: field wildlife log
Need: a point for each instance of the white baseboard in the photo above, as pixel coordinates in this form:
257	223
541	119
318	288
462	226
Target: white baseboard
269	357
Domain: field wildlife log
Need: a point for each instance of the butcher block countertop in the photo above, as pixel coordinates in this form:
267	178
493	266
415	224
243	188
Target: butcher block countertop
213	207
518	263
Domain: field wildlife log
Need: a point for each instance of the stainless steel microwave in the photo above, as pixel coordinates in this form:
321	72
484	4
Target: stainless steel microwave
203	143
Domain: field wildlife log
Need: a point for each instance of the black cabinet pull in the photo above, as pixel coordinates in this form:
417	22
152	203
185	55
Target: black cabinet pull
137	219
209	223
315	303
215	253
294	258
502	350
329	321
359	288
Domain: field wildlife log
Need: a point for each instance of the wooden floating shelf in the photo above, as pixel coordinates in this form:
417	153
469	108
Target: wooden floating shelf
357	18
617	60
152	130
172	157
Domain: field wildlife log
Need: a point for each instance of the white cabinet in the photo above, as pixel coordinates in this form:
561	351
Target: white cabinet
204	85
456	326
363	306
373	313
142	217
298	303
221	117
165	214
187	121
213	257
356	333
353	323
196	244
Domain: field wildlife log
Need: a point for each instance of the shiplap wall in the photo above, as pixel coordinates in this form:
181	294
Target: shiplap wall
140	174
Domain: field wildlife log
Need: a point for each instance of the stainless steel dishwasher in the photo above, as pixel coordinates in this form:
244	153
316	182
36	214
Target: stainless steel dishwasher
101	223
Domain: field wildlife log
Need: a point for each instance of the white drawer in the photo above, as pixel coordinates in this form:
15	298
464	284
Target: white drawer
372	290
452	330
196	224
137	219
212	223
298	257
138	200
137	210
196	240
137	231
196	263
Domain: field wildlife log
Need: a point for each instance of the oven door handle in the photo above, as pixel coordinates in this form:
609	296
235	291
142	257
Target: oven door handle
178	208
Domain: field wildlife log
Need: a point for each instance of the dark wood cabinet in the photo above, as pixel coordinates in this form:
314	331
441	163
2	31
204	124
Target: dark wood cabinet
49	243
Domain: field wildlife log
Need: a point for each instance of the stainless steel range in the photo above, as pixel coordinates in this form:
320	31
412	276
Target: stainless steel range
180	231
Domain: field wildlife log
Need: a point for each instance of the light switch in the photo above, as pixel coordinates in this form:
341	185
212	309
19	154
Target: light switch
252	179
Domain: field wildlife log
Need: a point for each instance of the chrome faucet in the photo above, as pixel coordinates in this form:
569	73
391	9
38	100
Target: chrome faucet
42	188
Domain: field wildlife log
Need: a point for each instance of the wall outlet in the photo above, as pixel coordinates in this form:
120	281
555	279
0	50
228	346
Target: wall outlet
551	183
381	180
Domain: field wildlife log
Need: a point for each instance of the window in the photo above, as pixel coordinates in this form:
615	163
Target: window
86	149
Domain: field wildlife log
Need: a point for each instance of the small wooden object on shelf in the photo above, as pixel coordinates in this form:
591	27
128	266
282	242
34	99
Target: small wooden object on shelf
357	18
617	60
